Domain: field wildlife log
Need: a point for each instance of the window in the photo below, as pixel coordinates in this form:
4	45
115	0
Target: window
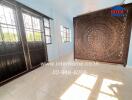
32	28
66	34
33	23
8	28
47	31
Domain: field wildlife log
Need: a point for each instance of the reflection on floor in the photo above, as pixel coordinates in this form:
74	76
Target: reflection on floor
95	81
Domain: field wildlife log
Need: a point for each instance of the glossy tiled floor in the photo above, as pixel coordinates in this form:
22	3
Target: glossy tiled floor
71	81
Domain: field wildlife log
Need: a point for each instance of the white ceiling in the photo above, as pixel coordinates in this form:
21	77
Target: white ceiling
72	8
85	6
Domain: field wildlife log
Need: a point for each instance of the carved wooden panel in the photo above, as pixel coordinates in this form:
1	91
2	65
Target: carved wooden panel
101	37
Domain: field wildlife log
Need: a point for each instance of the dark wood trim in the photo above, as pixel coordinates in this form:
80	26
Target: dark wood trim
12	78
74	37
19	75
129	28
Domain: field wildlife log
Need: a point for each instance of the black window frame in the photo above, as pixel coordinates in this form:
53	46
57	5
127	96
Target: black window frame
66	39
31	11
8	26
49	28
33	15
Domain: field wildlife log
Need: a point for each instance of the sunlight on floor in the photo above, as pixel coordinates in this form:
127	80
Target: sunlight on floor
87	81
80	90
110	86
109	90
76	92
106	97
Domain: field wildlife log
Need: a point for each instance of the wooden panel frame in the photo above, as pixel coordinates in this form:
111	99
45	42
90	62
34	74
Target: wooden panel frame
128	28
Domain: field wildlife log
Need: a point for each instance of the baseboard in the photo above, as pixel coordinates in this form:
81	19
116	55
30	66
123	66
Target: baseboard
128	66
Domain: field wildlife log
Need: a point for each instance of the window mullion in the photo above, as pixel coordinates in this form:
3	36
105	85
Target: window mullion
23	38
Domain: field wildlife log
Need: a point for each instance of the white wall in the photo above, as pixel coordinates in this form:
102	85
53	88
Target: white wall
57	48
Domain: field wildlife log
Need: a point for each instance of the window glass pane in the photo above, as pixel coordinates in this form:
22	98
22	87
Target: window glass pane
0	38
2	18
7	23
70	36
64	29
32	25
10	34
46	22
13	35
6	34
67	30
64	39
27	21
68	39
48	39
61	28
36	23
37	36
6	15
9	15
64	34
29	35
47	31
